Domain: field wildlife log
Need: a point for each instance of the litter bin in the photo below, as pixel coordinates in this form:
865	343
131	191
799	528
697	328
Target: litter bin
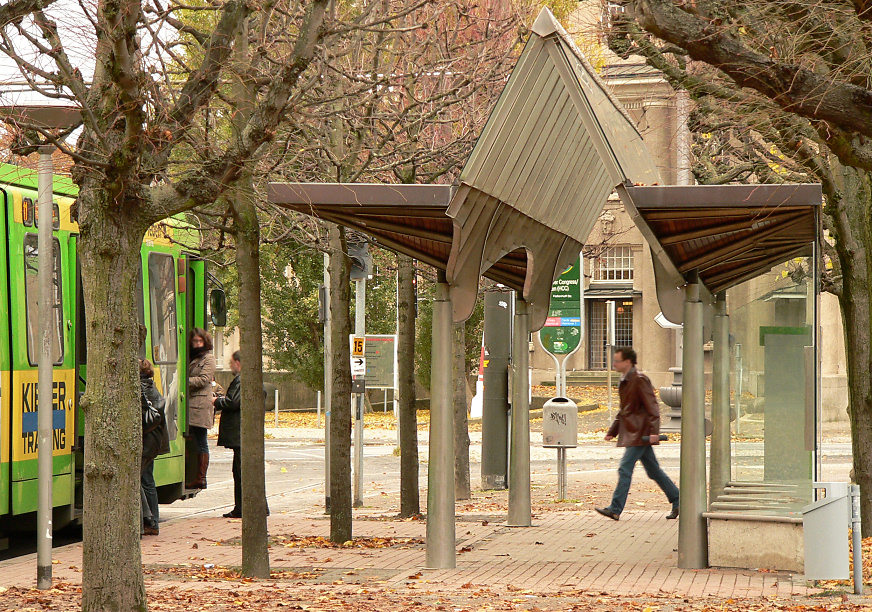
560	431
825	532
560	423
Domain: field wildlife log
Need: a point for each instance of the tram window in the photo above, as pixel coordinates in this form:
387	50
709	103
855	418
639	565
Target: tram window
31	291
162	300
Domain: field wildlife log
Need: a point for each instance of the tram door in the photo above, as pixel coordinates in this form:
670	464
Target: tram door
192	297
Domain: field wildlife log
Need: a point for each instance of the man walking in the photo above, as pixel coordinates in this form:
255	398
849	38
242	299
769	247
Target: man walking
637	427
229	430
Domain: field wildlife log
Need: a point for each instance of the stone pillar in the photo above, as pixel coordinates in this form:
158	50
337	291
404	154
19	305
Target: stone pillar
520	510
692	532
441	552
719	474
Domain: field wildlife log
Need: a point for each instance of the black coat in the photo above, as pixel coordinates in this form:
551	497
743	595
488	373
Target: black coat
229	405
157	400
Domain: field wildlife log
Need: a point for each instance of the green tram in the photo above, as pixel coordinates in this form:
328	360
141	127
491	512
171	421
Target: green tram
173	289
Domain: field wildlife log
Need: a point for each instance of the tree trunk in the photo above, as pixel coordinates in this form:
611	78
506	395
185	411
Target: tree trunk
340	403
461	423
111	560
409	501
255	549
255	552
854	227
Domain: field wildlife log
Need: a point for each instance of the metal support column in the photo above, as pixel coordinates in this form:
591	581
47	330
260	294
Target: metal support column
520	510
441	553
328	382
495	395
44	406
359	330
719	472
692	532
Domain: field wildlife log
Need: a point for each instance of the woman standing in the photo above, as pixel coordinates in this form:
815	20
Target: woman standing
201	414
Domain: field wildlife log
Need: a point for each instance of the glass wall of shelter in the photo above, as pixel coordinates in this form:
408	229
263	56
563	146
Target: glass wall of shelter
774	389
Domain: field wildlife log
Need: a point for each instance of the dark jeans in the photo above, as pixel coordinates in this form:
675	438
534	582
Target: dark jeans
150	450
150	491
237	481
200	441
645	454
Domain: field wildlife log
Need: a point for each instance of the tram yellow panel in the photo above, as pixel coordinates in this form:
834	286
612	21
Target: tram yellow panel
25	396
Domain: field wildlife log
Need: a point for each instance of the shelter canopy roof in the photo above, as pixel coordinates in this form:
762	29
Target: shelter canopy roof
555	146
725	234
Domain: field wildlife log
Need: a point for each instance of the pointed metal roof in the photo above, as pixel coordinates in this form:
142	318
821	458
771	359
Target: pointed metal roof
555	146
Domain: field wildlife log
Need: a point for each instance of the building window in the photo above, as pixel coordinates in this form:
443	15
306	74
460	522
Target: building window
597	325
609	11
615	264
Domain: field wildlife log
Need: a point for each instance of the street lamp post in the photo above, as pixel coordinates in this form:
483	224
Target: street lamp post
53	118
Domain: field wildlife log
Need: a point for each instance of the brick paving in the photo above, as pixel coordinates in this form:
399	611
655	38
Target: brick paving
562	551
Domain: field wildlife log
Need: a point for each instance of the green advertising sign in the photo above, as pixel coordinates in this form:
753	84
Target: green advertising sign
562	331
567	287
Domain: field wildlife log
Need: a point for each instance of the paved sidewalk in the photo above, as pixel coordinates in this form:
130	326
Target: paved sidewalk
562	551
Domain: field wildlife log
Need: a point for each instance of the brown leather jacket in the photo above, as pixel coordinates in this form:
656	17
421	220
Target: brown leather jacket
639	415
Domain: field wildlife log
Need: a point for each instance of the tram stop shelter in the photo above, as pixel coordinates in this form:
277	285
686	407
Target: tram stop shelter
555	146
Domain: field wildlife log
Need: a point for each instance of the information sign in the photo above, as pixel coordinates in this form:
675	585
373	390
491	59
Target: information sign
562	331
381	359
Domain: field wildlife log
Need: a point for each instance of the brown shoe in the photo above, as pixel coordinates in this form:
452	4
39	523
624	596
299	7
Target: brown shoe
673	514
606	512
151	530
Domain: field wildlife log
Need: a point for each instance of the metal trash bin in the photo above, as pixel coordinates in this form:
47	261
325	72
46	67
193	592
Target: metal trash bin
560	423
825	526
560	431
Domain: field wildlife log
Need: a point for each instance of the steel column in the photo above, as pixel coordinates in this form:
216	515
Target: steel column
692	532
495	395
359	330
328	382
441	553
520	509
719	473
44	406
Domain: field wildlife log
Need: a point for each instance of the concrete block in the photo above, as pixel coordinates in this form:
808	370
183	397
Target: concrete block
756	544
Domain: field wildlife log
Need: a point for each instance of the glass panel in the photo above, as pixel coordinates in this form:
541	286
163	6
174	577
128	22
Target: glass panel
31	291
162	284
774	393
140	315
164	333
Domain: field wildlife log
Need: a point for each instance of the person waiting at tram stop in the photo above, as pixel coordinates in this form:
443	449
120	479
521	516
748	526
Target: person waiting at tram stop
201	414
155	441
637	428
230	429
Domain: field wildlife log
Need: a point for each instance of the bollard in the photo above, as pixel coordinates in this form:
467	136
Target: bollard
857	540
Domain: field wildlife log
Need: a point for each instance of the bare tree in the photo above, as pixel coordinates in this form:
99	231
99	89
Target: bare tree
340	406
410	504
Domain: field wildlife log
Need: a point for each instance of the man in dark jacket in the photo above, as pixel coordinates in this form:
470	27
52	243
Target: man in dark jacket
637	427
229	435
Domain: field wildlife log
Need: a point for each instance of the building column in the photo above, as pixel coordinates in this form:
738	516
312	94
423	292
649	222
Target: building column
441	552
719	472
520	509
692	532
